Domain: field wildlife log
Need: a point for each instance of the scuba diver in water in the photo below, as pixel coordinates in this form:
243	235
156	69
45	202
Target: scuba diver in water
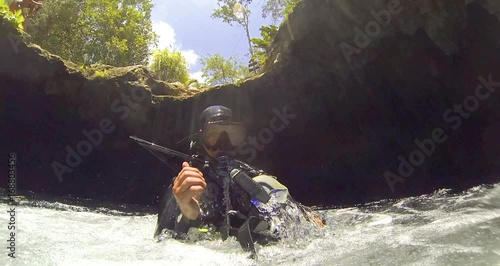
227	195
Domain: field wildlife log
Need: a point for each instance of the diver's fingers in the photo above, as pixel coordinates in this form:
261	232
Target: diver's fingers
187	185
186	167
191	181
189	194
189	168
185	174
193	191
188	198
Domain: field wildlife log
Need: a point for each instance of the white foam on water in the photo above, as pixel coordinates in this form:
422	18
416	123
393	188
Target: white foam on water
436	229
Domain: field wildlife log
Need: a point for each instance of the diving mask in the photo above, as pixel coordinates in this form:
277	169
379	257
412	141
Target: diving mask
223	134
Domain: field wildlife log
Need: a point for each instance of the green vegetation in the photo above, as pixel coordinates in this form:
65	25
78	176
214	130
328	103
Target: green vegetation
112	32
234	11
119	33
170	66
289	7
279	9
261	45
218	71
14	19
100	74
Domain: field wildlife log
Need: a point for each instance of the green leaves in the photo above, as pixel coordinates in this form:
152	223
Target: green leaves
279	9
232	11
15	19
218	71
113	32
267	33
261	45
289	6
170	66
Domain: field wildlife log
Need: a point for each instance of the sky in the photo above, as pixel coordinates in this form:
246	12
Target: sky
187	26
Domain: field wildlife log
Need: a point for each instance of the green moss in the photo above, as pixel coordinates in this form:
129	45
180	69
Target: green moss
101	74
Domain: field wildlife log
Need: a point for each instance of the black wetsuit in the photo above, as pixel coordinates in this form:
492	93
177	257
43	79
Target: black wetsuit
211	204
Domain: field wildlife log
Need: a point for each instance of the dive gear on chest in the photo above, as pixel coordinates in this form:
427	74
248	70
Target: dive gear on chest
251	187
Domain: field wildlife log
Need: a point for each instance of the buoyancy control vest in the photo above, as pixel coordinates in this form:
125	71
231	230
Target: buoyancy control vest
234	201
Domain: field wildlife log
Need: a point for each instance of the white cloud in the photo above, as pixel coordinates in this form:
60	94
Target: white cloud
198	76
166	34
166	39
191	57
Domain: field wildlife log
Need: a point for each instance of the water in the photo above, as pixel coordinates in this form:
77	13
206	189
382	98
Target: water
436	229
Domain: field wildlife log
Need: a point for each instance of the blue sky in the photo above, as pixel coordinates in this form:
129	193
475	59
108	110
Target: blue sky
186	25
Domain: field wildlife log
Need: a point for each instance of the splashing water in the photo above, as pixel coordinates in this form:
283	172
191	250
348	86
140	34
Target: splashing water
436	229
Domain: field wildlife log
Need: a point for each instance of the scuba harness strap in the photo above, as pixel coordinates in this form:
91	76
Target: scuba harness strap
245	234
232	175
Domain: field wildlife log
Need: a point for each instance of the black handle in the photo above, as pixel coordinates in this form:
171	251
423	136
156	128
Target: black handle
250	186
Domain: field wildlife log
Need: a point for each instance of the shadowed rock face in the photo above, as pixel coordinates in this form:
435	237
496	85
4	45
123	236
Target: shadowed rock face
333	116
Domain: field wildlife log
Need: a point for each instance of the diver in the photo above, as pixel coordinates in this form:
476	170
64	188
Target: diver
226	195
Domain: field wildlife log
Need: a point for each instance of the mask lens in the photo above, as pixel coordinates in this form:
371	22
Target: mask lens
210	136
235	132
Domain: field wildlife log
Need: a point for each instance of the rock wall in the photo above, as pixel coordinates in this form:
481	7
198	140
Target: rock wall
354	90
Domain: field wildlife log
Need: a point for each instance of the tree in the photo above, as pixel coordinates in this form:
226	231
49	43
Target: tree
170	66
231	11
261	45
114	32
278	9
218	71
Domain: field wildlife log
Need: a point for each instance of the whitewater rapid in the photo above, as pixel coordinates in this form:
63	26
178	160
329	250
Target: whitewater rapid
435	229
